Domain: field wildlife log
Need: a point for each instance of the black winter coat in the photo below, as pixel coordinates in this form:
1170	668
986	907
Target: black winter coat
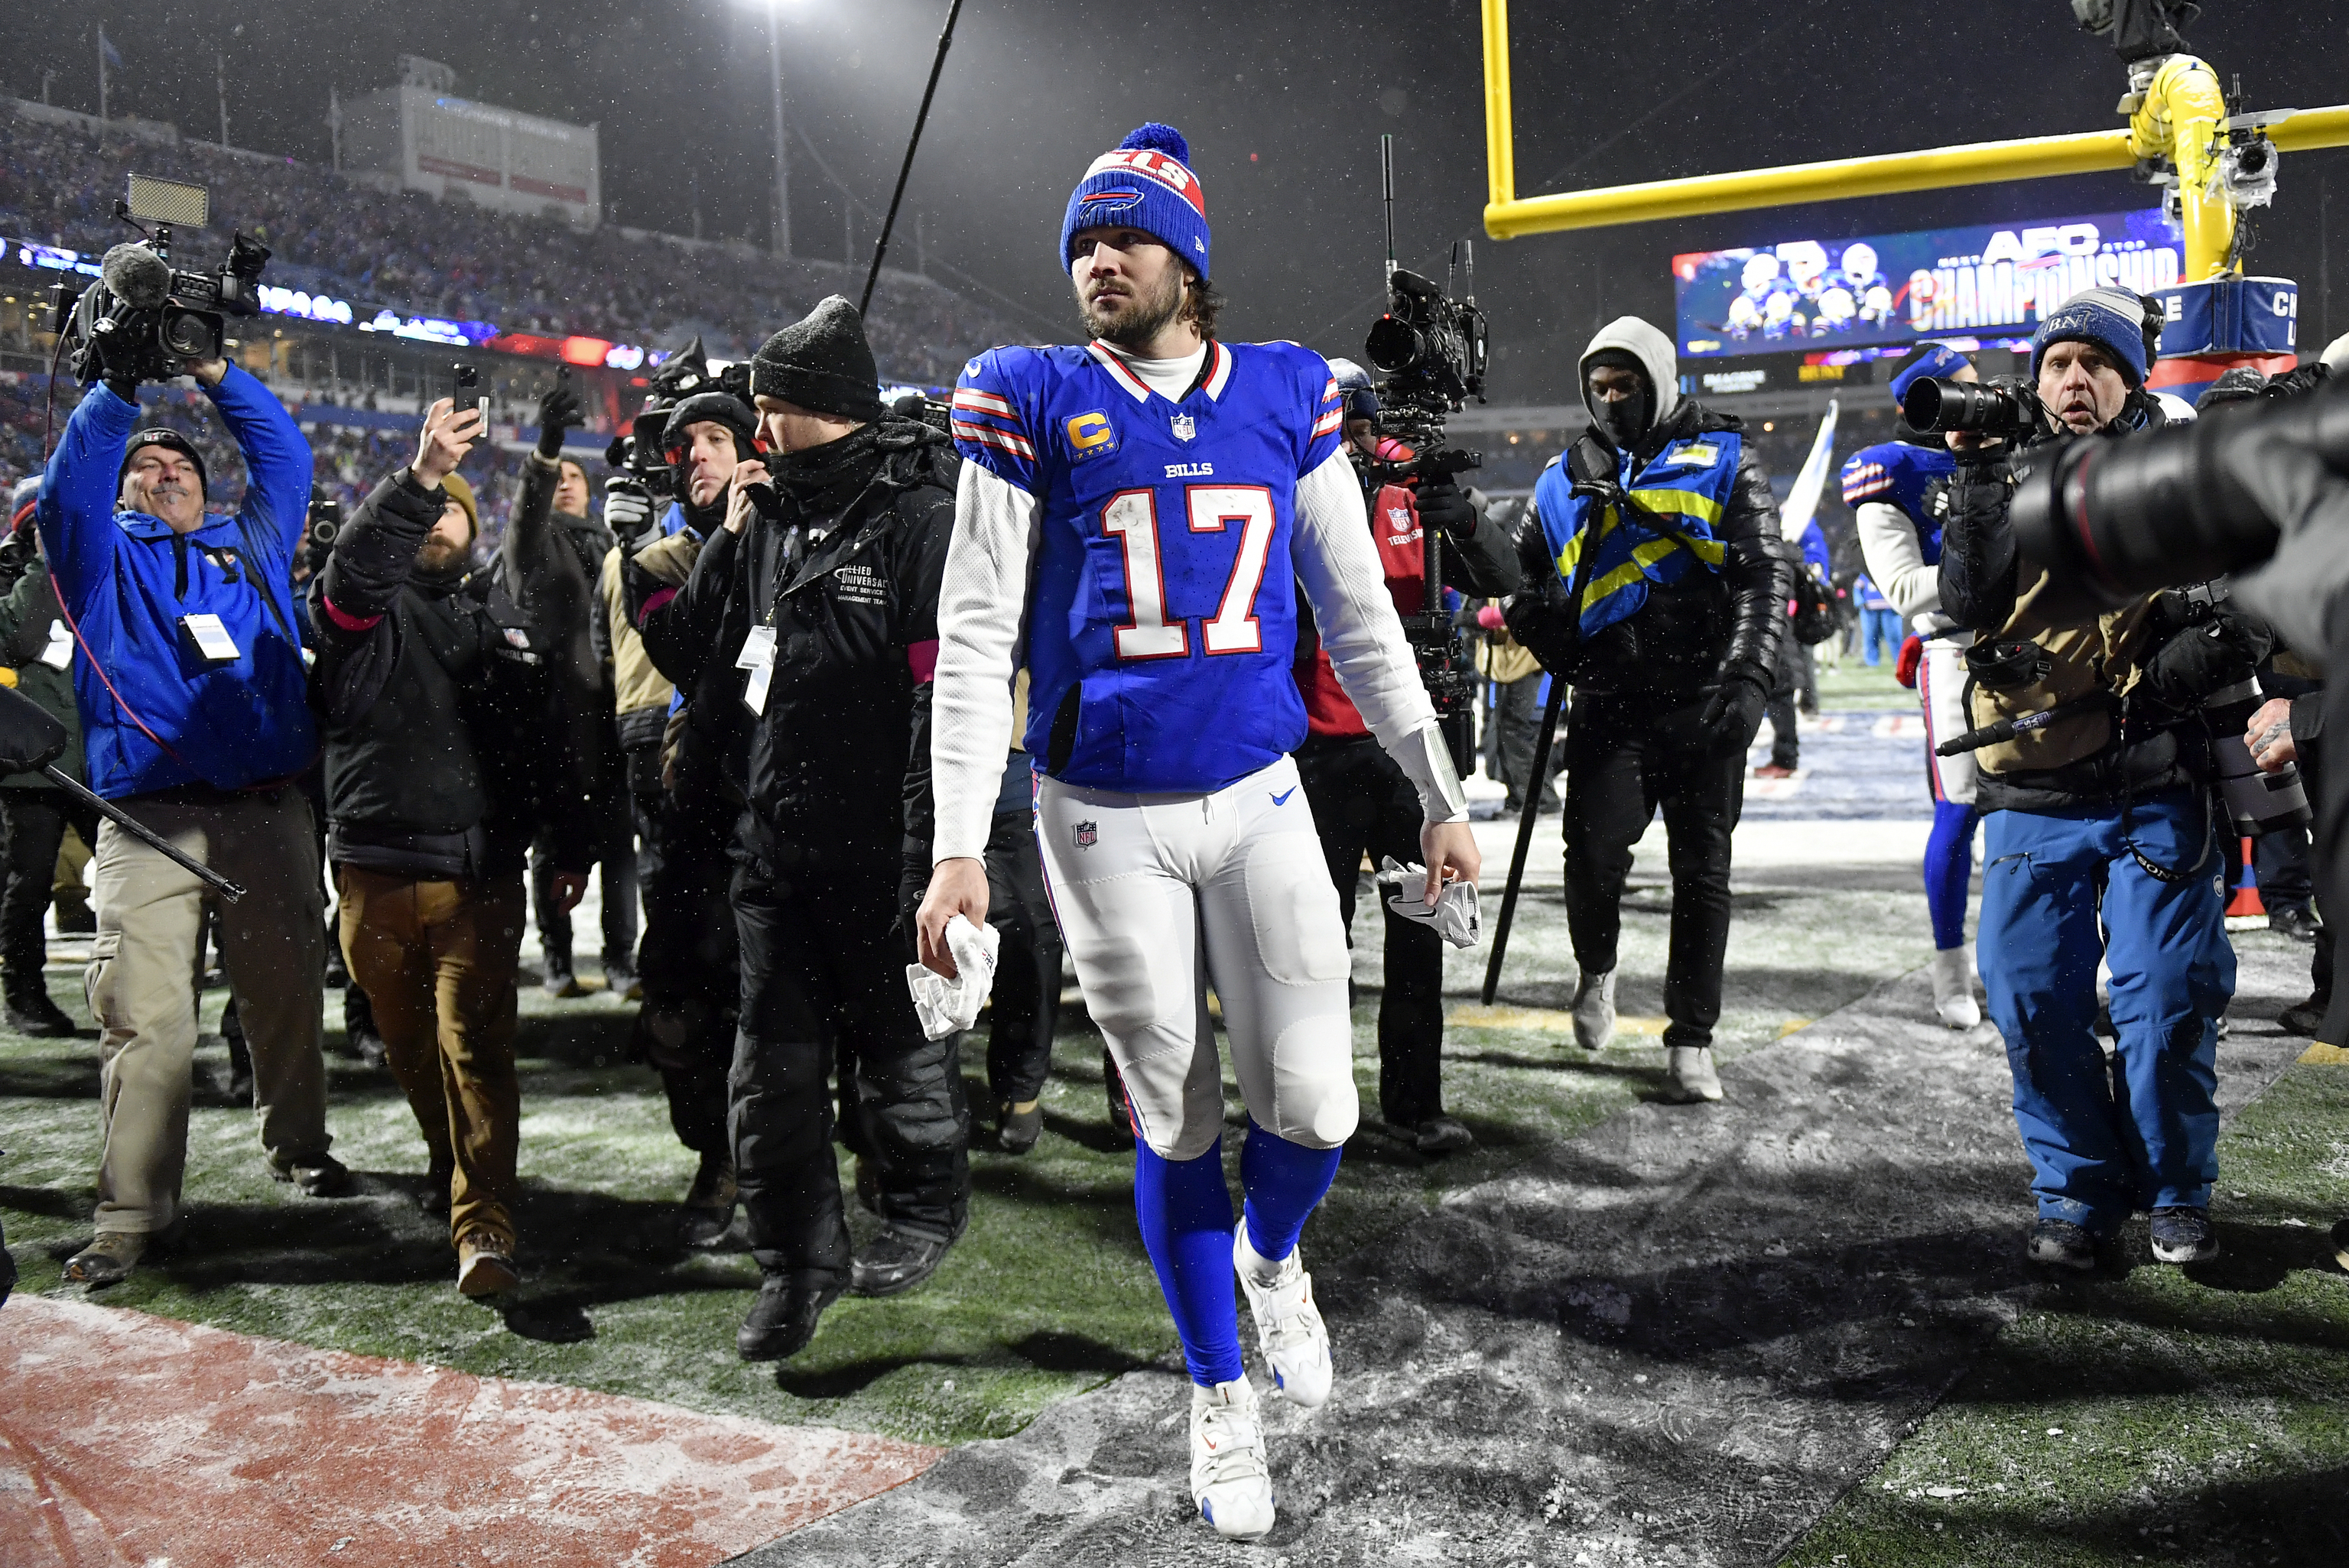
1709	628
844	565
444	750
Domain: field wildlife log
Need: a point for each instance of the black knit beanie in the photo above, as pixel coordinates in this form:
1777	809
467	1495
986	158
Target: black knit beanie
822	364
163	435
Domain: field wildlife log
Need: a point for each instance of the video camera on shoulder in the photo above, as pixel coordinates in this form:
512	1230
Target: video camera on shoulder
2003	409
167	314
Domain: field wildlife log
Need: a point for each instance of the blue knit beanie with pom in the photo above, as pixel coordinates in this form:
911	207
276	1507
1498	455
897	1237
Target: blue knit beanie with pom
1146	184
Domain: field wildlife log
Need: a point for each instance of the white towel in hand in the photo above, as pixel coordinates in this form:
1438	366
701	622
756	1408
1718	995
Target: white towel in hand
1455	916
947	1007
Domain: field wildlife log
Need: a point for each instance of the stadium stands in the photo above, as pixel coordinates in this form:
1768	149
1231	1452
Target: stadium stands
350	237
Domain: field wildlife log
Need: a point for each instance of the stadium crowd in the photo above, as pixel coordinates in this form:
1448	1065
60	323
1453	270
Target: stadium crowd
371	245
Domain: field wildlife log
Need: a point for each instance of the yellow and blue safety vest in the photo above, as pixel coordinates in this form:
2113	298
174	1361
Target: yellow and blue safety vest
1685	485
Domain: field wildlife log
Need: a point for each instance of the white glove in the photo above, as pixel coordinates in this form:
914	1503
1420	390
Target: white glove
948	1006
628	509
1455	917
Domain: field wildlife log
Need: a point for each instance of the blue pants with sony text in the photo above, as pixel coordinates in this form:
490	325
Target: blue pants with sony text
2144	1133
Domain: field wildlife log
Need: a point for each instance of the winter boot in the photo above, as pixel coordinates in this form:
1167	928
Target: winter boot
1688	1076
1594	1011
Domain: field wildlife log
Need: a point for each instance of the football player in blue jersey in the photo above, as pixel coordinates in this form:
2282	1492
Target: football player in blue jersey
1892	488
1134	521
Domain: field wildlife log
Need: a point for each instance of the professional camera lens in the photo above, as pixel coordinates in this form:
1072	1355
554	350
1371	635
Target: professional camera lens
190	334
1395	346
1933	403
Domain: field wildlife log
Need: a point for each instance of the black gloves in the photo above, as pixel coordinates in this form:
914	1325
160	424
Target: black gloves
1734	712
1444	505
1605	491
559	410
2200	661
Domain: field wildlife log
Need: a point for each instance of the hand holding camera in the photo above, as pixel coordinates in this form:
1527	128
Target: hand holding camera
449	434
1444	505
628	509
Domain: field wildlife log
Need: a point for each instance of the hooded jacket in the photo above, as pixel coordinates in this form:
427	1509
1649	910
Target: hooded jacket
174	719
1714	623
842	567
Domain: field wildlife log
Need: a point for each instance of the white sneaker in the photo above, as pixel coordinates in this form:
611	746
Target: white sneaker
1954	989
1229	1479
1594	1011
1288	1326
1688	1076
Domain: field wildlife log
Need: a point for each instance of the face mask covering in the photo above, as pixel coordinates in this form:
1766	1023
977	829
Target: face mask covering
1625	422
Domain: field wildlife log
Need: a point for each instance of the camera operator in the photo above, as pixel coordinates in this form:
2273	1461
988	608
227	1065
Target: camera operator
553	557
686	794
1362	803
1657	584
2099	830
444	754
35	646
196	720
1894	489
811	619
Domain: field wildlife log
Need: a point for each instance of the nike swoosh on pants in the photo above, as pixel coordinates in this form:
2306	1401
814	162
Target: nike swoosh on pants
1282	799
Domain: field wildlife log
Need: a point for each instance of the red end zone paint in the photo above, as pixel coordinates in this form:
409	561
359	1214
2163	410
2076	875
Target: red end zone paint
126	1438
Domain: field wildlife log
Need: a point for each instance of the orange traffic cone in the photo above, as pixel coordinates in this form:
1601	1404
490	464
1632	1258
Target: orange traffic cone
2246	900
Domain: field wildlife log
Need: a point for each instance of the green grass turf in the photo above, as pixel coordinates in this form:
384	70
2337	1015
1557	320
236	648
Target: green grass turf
1862	686
1048	1295
2169	1416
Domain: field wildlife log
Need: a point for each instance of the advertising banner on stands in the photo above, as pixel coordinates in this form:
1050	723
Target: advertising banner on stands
1990	282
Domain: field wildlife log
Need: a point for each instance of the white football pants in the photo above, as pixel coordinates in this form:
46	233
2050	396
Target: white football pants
1942	689
1158	895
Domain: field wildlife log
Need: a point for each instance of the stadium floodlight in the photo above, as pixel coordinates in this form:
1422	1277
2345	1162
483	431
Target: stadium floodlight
782	230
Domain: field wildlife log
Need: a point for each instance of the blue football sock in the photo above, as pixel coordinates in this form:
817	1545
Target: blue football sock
1283	1181
1186	1227
1948	868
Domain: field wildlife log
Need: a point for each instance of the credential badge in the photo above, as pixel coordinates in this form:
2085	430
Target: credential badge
1184	426
1088	834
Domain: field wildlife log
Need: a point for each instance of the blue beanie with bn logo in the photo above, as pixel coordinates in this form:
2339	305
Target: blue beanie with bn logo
2111	318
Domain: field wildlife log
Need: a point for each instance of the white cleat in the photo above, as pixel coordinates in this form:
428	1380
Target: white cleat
1288	1326
1953	988
1594	1011
1688	1076
1229	1479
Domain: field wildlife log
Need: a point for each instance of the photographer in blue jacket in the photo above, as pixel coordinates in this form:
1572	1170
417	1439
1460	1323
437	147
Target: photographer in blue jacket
193	701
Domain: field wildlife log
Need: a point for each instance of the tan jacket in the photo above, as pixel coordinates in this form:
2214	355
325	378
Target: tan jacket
2105	654
634	681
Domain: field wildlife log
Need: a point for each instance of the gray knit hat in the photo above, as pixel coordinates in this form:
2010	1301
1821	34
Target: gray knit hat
820	363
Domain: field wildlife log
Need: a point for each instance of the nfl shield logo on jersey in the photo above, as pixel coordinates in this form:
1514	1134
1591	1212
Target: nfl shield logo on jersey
1185	427
1088	834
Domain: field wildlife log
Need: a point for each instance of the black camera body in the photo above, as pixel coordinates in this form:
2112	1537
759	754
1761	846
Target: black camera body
318	536
167	314
2003	408
1431	350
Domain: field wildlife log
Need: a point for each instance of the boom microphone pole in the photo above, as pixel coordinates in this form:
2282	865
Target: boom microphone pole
1524	837
945	40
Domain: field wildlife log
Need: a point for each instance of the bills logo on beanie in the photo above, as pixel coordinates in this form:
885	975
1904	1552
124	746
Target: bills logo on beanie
1145	183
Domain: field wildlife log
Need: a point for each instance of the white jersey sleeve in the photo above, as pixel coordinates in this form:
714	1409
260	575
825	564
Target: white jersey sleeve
1896	562
1339	566
981	607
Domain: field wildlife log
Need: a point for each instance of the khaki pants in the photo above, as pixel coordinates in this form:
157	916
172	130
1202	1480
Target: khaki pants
437	962
141	991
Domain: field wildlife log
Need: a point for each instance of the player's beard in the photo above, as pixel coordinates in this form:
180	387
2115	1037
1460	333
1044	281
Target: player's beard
1132	319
